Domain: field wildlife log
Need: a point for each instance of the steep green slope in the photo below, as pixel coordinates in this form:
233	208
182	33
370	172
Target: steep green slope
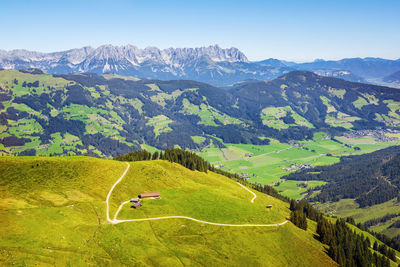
53	211
111	115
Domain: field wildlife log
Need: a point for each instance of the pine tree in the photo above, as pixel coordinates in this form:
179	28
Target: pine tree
375	247
155	155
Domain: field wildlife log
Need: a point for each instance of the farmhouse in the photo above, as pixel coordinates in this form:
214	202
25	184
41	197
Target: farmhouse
134	200
150	195
136	205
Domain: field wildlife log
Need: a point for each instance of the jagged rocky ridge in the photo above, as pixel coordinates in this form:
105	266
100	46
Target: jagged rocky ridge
213	64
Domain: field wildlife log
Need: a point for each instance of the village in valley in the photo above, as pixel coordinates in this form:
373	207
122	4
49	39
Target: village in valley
380	135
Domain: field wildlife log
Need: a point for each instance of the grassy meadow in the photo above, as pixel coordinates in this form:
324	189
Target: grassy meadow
53	212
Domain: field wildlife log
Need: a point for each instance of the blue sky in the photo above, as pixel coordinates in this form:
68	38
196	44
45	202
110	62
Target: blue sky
300	30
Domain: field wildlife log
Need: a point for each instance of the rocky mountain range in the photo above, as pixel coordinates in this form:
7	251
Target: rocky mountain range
213	64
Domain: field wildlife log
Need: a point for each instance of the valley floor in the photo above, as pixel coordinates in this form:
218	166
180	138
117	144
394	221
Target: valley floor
267	164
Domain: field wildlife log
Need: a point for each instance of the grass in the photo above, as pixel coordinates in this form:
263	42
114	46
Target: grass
360	102
198	139
208	115
327	102
273	117
348	207
293	190
340	120
149	148
266	163
53	213
160	124
337	92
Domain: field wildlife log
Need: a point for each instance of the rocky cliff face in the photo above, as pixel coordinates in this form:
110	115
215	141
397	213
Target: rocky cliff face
184	63
83	59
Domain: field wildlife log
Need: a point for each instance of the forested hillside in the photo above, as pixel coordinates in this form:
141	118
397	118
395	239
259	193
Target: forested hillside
370	179
110	115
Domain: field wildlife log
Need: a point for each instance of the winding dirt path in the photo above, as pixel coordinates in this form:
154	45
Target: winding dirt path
252	200
109	193
115	220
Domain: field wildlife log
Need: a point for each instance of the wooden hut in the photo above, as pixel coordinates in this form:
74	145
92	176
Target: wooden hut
136	205
150	195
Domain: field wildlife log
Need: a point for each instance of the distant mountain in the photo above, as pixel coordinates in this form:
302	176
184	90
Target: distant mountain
213	64
342	74
272	62
366	68
207	64
393	78
112	114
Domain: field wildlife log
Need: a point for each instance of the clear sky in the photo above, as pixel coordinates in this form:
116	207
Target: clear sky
300	30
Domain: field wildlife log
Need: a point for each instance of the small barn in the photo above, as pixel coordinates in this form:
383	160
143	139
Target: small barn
150	195
136	205
134	200
269	206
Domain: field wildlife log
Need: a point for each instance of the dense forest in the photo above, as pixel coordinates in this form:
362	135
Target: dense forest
370	179
348	248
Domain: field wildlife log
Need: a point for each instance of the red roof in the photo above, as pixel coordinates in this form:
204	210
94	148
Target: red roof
153	194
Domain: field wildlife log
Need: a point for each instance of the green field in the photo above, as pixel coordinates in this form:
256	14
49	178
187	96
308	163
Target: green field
160	124
349	208
53	212
208	114
273	117
266	164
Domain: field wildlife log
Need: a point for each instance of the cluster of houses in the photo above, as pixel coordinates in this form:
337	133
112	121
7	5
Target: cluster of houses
379	135
294	143
244	175
296	167
136	201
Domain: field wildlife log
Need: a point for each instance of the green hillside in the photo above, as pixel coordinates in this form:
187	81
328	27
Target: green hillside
110	115
54	213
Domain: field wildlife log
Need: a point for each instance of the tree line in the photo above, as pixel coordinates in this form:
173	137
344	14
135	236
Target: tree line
393	243
185	158
383	219
348	248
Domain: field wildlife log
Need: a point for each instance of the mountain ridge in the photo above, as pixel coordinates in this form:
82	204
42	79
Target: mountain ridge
114	114
212	64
